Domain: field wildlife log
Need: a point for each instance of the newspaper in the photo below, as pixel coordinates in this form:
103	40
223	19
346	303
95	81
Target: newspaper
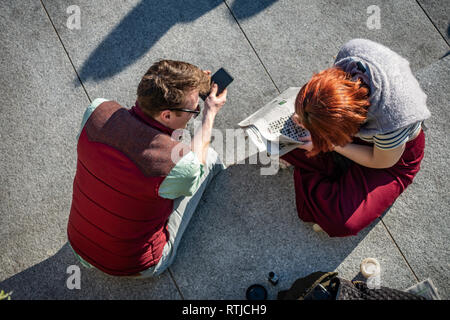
271	128
425	289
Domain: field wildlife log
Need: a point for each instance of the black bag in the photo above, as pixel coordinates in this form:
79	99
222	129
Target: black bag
328	286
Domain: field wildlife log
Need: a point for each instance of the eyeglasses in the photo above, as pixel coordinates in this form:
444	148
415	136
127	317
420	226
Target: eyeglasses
196	111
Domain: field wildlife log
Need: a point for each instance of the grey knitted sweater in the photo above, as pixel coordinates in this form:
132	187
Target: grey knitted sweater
395	95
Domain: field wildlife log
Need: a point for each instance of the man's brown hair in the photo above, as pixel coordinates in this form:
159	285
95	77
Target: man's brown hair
166	83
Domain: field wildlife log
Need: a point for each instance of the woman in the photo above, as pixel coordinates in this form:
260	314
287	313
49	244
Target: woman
365	116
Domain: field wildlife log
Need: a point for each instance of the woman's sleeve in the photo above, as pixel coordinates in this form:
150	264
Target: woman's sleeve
396	138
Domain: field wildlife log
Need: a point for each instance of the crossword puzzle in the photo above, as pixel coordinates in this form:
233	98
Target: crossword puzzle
288	128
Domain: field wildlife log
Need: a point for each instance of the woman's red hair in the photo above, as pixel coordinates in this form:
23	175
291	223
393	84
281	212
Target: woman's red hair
332	107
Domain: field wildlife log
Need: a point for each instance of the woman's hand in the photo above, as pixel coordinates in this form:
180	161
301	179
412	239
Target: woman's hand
308	145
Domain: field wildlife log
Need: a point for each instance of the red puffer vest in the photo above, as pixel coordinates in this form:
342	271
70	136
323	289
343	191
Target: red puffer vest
118	221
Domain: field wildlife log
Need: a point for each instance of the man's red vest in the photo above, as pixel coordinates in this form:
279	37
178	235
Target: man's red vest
118	221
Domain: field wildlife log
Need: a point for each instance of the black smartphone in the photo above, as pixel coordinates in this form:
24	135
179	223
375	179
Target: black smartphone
222	78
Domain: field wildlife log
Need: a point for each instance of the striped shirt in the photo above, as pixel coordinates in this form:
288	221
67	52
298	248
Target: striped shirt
393	139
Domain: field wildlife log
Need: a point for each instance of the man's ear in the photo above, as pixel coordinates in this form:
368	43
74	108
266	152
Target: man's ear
165	115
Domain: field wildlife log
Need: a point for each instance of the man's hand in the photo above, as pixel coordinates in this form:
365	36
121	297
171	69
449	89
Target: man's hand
214	102
202	138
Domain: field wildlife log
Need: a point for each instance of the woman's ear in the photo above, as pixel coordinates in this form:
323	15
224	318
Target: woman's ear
296	120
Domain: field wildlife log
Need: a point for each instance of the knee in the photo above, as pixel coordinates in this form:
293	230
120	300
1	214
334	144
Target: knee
349	229
342	229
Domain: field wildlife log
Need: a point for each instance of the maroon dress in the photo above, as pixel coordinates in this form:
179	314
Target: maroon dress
346	205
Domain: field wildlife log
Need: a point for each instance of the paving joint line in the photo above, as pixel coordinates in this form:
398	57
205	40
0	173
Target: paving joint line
176	285
401	252
65	50
254	50
429	18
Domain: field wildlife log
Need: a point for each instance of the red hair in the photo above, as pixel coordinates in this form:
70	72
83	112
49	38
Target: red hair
332	107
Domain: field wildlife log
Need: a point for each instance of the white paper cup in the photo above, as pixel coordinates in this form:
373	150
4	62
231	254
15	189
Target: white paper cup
370	267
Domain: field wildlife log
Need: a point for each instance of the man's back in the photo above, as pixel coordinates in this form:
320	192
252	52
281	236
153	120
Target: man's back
117	220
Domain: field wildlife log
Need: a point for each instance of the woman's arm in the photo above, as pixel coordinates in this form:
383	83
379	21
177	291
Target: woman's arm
371	156
367	156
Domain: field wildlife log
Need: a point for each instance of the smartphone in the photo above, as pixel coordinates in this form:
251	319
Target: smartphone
222	78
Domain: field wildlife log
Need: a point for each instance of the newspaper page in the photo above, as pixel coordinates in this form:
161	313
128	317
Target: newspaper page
272	129
425	289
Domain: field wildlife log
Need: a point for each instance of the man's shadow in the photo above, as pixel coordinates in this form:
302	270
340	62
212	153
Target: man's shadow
48	280
247	224
146	24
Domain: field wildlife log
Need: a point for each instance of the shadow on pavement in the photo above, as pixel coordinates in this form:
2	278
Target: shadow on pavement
144	25
247	226
230	244
47	281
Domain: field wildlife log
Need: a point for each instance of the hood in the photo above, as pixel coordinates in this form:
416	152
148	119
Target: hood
396	99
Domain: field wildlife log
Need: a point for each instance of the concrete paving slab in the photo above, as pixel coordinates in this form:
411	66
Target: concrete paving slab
439	13
41	113
295	39
419	220
247	226
118	41
40	116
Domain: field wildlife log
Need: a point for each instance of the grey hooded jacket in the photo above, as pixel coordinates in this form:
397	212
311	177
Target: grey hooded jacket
395	95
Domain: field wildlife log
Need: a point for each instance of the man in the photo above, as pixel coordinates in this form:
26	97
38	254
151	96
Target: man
136	187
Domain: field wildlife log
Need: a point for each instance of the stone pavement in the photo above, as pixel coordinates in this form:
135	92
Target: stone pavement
246	224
